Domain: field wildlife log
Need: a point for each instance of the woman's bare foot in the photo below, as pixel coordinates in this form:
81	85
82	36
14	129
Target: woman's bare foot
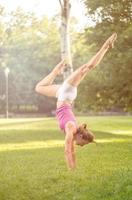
110	41
59	67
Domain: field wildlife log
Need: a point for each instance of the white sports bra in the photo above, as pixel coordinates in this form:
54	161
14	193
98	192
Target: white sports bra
66	92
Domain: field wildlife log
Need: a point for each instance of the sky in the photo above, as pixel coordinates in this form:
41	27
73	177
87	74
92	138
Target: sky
48	7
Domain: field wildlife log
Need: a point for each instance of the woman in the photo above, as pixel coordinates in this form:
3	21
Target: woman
66	94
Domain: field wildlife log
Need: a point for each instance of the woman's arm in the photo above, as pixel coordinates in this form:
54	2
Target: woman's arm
69	145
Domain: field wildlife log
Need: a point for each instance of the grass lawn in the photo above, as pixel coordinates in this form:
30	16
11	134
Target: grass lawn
32	165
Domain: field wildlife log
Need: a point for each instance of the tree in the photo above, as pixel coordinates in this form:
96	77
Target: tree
30	49
113	77
65	40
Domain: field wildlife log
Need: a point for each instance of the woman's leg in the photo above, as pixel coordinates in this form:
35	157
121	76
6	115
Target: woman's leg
80	73
45	86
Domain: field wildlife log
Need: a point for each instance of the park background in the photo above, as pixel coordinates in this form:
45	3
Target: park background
30	48
32	164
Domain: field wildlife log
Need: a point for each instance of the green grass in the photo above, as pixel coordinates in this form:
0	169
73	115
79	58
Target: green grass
32	165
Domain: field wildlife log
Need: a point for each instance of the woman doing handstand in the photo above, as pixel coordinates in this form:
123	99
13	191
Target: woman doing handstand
66	94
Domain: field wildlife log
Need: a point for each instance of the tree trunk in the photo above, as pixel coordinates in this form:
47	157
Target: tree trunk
65	38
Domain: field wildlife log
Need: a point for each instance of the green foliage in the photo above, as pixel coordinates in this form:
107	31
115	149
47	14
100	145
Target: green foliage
110	11
30	49
32	164
109	87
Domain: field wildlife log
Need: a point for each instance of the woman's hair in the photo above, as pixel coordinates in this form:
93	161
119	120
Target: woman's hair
85	134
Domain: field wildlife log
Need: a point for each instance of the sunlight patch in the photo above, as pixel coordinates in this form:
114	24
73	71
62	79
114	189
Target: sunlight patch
28	124
20	120
112	140
28	127
121	132
32	145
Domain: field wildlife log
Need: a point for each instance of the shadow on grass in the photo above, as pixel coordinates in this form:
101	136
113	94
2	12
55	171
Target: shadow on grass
32	139
31	135
20	136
